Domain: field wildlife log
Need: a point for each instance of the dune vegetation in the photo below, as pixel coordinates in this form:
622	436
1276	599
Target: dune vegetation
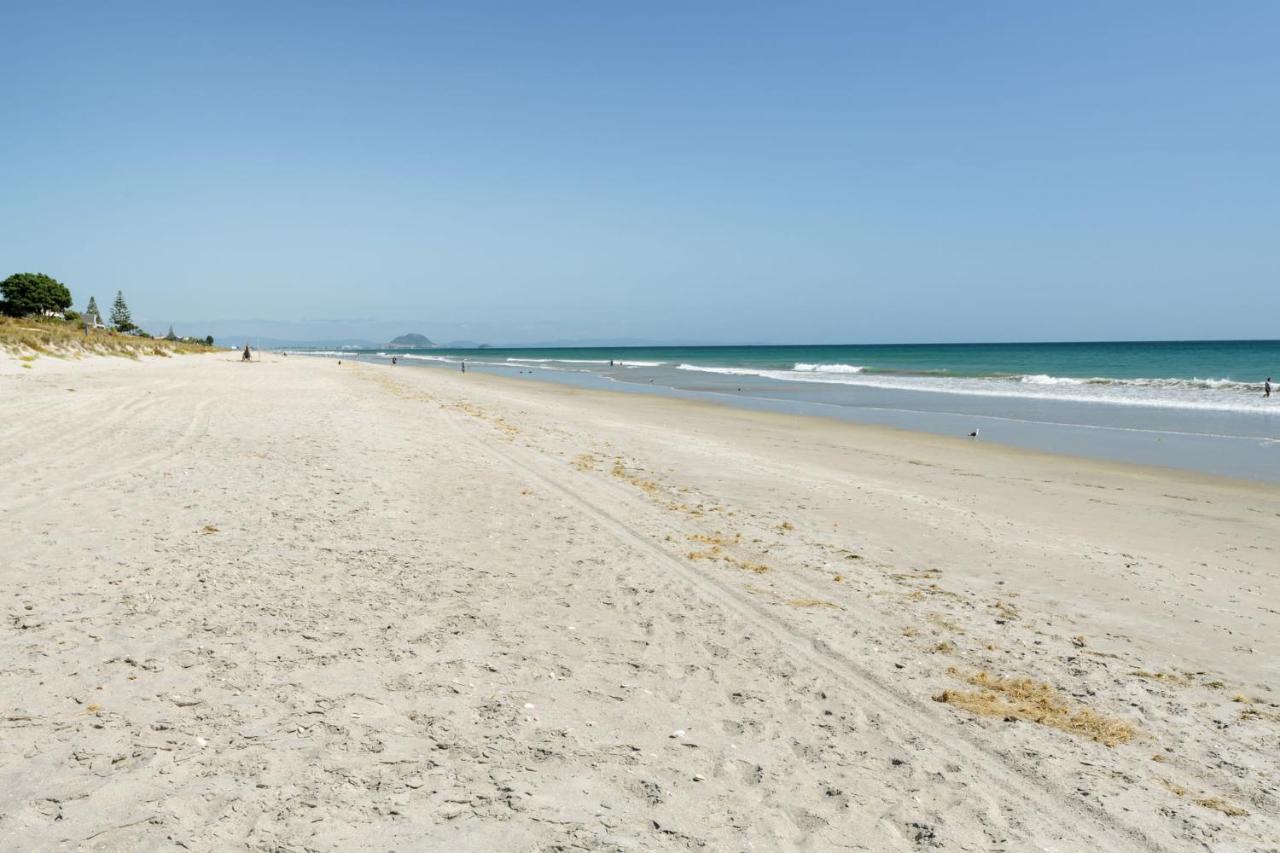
46	336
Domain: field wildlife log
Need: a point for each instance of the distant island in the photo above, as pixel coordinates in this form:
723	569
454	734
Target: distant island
415	341
411	341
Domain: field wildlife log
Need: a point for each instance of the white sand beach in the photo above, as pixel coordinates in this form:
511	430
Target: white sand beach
296	606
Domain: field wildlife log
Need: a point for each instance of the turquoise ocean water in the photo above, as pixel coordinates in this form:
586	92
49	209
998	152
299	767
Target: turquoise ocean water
1212	375
1196	405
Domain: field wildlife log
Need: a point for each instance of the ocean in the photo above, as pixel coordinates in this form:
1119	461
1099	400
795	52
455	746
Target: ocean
1188	404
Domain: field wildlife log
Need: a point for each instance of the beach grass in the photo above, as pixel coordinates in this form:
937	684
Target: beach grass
27	336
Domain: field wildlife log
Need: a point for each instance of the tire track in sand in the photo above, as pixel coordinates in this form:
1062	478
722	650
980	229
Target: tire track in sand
197	424
1045	810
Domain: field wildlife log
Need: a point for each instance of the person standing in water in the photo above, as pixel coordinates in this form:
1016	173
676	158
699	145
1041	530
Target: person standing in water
1266	387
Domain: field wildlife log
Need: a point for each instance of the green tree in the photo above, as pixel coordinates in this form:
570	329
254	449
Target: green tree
171	336
208	340
33	292
93	308
120	316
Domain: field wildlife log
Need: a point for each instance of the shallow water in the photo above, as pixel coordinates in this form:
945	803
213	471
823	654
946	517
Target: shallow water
1196	410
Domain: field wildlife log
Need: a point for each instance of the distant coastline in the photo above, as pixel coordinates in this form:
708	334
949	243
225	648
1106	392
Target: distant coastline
1191	405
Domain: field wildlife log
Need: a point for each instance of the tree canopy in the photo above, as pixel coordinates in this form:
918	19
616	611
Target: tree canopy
31	293
120	316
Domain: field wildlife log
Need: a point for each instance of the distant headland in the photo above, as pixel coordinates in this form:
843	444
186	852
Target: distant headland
410	341
415	341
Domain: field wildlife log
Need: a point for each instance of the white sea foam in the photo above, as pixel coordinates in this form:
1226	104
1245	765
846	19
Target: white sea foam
828	368
1189	384
1202	394
1045	379
731	371
331	352
1141	382
615	362
446	359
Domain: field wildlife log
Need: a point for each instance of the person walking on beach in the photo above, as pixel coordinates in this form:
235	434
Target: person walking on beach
246	356
464	367
1266	387
393	361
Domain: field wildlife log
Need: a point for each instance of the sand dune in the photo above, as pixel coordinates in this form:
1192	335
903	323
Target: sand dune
293	605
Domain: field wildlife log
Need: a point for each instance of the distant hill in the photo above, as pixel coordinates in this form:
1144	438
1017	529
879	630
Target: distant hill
410	341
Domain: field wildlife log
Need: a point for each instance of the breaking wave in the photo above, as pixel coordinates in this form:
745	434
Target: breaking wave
615	362
444	358
1205	394
828	368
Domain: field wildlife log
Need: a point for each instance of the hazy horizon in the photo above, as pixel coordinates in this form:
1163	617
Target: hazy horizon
724	174
272	331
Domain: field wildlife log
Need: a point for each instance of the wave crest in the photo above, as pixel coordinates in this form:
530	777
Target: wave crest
828	368
616	362
1143	382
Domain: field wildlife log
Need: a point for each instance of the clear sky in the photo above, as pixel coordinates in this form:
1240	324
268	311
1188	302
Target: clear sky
720	172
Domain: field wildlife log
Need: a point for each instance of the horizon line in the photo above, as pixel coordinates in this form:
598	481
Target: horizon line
544	345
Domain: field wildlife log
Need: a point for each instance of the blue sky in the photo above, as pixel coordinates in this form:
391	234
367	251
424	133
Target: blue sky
716	172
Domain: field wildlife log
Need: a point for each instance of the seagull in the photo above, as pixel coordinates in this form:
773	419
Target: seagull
973	434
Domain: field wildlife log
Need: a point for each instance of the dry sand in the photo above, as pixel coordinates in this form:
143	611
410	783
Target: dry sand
293	605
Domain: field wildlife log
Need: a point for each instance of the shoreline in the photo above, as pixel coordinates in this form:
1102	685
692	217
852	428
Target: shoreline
301	604
1251	458
941	442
